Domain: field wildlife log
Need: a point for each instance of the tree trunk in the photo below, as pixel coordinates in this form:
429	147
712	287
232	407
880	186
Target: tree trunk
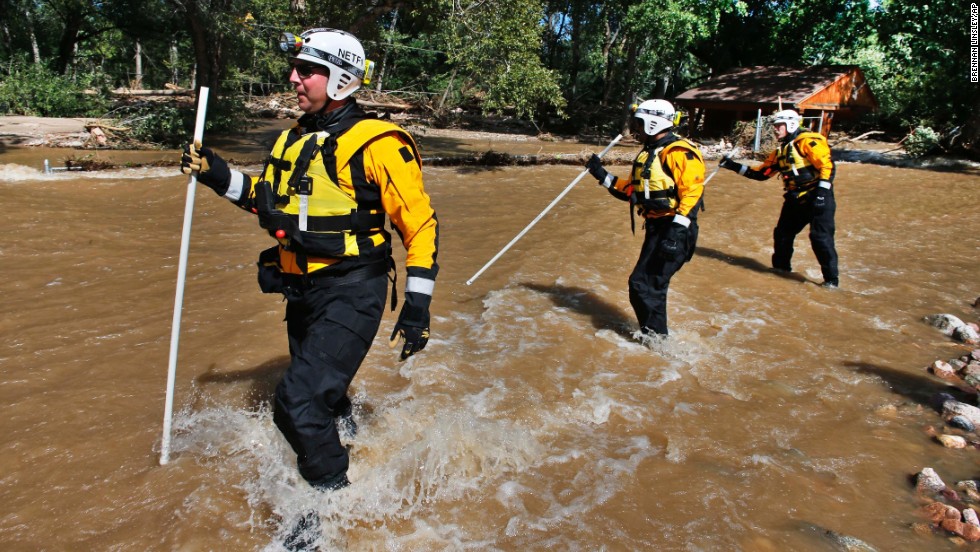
576	52
629	94
69	36
207	50
138	80
969	140
173	62
4	28
35	50
384	58
445	94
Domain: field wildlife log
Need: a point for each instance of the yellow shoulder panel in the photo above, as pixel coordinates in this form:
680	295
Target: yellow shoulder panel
365	131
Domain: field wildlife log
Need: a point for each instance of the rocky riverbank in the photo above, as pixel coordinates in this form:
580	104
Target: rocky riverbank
951	510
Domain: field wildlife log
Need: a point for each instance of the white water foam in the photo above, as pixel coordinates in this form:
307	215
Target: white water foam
22	173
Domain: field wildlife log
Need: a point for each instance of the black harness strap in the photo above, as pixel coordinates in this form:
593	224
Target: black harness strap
356	221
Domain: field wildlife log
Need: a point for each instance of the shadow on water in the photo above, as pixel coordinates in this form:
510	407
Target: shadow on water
749	263
918	388
263	378
604	316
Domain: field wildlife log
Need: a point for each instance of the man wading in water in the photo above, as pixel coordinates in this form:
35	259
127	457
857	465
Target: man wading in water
803	160
324	195
665	185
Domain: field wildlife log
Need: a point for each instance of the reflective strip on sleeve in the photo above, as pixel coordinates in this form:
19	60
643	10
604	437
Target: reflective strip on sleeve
608	181
825	184
235	187
420	285
742	169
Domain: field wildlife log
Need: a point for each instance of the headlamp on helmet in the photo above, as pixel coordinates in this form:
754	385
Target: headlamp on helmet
341	53
290	43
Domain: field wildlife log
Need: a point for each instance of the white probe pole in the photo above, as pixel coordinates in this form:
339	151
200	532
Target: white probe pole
712	175
185	238
543	213
714	172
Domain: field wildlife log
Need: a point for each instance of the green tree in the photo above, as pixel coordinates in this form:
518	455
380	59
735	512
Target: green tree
496	46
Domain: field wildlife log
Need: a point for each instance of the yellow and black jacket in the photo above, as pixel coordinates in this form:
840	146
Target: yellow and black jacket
803	160
326	190
667	179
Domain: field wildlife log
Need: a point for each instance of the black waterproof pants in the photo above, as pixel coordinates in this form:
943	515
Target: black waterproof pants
330	331
651	276
794	216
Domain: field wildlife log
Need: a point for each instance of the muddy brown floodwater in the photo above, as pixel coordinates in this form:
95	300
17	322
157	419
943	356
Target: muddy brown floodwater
532	420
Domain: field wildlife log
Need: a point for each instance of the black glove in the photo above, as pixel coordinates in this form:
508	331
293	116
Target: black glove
594	164
820	198
730	164
212	171
412	325
673	245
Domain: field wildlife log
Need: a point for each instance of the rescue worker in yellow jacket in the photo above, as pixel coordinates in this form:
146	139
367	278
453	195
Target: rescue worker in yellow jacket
324	194
665	187
803	160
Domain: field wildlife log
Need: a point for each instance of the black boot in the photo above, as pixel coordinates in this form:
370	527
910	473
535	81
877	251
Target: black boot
332	483
305	532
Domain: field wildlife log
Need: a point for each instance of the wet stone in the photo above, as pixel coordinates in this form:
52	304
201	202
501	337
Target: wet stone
967	484
939	399
970	532
970	517
956	408
961	422
943	370
934	512
952	441
928	481
950	495
952	525
946	323
972	379
966	334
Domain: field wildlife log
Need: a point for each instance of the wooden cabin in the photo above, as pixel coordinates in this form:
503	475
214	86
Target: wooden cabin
821	93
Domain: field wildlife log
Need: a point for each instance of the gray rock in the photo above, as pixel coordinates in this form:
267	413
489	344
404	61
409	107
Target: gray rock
928	481
967	484
956	408
841	542
946	323
966	334
961	422
971	369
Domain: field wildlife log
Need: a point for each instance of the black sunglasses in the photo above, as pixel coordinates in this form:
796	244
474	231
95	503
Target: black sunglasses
304	70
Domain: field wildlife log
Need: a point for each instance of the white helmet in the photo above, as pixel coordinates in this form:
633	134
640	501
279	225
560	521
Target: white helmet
656	116
788	117
341	53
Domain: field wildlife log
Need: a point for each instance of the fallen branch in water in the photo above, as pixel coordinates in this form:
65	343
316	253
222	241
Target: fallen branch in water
858	138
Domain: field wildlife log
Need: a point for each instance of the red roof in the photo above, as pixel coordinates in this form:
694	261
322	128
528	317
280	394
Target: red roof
765	86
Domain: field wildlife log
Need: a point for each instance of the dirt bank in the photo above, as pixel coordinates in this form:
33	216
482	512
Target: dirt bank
83	133
44	131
